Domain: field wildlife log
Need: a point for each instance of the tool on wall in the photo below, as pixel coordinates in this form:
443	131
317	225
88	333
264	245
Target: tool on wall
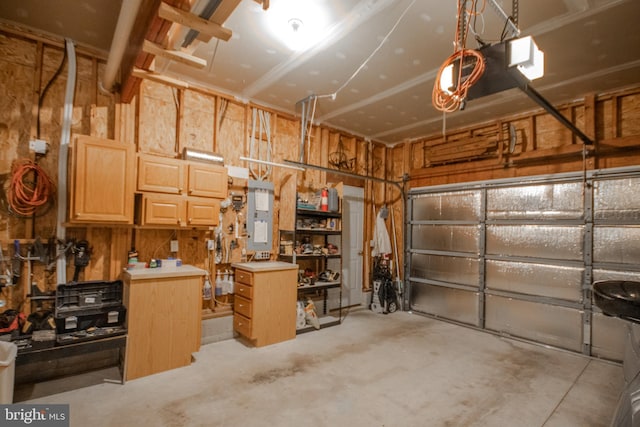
81	256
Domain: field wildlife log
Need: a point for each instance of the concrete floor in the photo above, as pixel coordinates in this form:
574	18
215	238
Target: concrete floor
373	370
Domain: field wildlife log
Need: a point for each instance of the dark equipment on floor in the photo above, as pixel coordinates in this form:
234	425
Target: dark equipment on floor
385	296
621	298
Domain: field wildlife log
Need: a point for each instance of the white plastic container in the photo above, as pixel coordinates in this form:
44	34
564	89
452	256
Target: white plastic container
8	352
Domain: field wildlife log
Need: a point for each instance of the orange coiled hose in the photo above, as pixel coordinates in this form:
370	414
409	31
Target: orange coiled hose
442	98
449	101
30	188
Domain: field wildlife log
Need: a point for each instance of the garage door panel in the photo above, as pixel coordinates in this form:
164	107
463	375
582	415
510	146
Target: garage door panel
452	304
444	237
456	205
541	202
457	270
547	324
536	241
545	280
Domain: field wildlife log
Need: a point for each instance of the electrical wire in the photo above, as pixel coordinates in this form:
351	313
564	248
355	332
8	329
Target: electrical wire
355	73
447	100
46	89
30	188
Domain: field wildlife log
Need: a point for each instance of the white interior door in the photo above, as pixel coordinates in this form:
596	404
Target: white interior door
352	235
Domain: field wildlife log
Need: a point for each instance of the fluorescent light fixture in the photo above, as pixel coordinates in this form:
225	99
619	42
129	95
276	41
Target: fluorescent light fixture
524	54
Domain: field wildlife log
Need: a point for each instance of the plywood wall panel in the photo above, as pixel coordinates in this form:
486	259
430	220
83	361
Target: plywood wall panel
18	51
629	112
231	138
157	119
197	121
550	132
604	119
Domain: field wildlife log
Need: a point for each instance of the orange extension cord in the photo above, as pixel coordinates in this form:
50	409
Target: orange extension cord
446	101
29	189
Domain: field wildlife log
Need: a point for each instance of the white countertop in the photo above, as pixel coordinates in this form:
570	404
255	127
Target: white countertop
156	273
265	265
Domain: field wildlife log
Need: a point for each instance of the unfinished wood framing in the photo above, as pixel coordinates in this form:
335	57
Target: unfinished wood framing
164	117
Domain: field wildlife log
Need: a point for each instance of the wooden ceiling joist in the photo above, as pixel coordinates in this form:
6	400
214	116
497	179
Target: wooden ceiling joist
195	22
174	55
153	24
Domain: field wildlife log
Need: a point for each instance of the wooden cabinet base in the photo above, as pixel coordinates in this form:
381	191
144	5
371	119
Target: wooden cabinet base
163	319
265	304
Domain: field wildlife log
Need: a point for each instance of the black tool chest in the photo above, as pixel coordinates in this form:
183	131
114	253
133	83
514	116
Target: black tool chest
89	310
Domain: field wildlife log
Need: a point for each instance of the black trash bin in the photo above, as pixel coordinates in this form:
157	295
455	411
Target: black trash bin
618	298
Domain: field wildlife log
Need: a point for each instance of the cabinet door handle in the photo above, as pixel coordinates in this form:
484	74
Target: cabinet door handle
190	220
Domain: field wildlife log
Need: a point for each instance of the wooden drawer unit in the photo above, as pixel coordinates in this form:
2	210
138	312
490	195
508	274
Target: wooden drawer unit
243	290
265	302
244	277
243	306
242	325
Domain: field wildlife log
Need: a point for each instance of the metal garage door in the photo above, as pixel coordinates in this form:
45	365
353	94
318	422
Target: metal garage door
518	257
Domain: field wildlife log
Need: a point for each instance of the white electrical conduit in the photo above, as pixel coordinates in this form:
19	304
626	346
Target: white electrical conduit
120	42
67	113
262	120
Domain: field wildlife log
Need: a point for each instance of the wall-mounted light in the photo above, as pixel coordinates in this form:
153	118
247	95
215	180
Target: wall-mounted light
524	54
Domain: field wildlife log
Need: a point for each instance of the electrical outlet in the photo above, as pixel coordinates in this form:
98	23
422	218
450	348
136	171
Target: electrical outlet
38	146
210	244
174	246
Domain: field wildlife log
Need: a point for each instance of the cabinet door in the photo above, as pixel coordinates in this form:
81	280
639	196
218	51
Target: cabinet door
163	210
202	212
101	181
207	180
160	174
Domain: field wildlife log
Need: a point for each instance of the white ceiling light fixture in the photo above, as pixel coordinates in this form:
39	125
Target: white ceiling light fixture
297	24
524	54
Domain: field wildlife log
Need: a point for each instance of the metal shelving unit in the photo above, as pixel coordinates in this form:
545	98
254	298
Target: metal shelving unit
309	247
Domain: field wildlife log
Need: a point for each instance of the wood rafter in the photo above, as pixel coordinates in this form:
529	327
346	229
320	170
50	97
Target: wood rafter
190	20
174	55
156	20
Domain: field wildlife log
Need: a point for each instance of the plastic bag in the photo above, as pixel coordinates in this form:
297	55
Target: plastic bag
310	314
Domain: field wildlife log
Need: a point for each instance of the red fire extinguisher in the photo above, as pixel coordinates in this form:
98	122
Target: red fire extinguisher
324	200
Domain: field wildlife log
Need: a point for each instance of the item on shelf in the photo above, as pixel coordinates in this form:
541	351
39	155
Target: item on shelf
301	320
310	314
329	276
286	247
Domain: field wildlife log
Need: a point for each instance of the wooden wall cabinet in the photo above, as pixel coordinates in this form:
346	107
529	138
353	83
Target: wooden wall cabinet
163	318
177	211
179	193
101	181
265	301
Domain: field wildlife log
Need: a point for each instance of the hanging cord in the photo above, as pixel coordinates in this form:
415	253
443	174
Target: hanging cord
366	61
442	98
46	89
27	194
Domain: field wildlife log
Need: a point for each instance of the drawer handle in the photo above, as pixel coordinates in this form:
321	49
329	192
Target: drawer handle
241	290
240	305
